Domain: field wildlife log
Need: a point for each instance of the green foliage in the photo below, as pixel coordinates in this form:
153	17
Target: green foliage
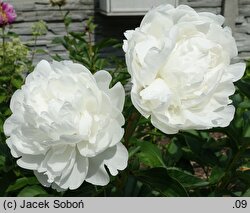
15	64
13	57
150	154
39	28
159	180
81	48
32	191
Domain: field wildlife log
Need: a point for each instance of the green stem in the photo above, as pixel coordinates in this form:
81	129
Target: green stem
231	167
34	50
4	47
133	119
90	44
91	53
131	126
63	17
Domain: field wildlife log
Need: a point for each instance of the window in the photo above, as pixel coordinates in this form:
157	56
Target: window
130	7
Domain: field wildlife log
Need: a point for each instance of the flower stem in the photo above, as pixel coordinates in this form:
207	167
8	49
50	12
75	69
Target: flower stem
231	167
34	50
131	126
63	17
3	44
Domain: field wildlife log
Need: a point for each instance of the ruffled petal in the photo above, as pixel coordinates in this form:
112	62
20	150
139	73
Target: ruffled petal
115	158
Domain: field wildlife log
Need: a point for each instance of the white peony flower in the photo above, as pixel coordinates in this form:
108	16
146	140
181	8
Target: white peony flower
179	61
66	125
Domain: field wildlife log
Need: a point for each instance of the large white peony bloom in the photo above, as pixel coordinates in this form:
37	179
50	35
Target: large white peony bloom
179	61
66	125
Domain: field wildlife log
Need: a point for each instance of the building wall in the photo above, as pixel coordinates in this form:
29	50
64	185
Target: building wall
30	11
242	29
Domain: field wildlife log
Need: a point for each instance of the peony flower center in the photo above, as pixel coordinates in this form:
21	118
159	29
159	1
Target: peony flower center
197	59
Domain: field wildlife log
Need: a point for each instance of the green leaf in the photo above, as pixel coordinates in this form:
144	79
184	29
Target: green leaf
150	154
67	20
159	180
246	128
3	95
216	175
32	191
79	36
243	176
100	63
41	51
244	86
2	161
57	57
193	142
245	104
105	43
4	78
174	152
57	40
17	81
173	147
247	193
21	182
186	179
214	145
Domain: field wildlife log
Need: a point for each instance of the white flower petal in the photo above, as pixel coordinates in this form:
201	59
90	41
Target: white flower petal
118	161
163	126
237	70
114	158
97	174
117	95
219	19
179	62
62	117
30	161
42	70
85	124
42	178
103	79
77	175
59	158
156	91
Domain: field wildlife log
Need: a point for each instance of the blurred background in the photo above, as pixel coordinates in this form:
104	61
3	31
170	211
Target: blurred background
113	17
